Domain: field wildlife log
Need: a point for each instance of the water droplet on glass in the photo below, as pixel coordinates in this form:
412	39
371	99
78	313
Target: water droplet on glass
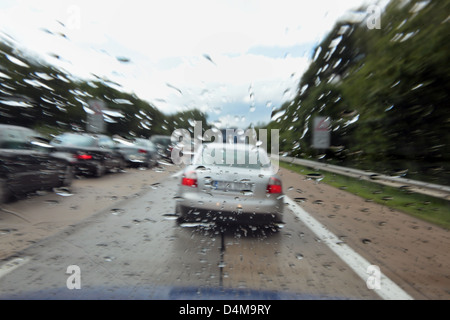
170	216
208	57
117	212
16	61
315	176
64	192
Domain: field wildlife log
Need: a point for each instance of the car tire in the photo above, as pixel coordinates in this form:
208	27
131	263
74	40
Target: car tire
100	170
181	217
68	177
5	194
122	165
155	162
151	163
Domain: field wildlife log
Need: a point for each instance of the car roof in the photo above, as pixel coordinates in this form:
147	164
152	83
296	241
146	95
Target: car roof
76	133
94	135
234	146
11	126
5	127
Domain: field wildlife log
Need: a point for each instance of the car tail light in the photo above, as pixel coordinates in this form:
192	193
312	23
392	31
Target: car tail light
190	179
84	157
274	186
142	151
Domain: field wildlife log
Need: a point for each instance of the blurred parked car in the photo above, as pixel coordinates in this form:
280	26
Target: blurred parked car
138	152
230	183
95	154
28	163
164	146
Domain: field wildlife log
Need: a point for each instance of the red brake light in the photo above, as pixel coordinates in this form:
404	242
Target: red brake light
142	151
274	186
190	179
84	157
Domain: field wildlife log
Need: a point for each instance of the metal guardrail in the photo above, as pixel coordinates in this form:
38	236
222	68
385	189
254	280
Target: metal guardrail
431	189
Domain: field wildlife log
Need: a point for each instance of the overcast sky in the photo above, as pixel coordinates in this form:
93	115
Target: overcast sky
235	60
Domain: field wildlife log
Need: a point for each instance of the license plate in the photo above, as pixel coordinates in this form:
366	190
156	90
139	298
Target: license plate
232	186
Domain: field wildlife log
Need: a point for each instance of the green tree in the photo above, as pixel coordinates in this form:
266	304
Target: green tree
384	90
35	94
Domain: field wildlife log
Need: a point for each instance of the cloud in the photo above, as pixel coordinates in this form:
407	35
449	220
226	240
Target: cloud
241	79
212	51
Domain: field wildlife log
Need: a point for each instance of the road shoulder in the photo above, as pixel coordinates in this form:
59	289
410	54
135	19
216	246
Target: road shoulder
411	252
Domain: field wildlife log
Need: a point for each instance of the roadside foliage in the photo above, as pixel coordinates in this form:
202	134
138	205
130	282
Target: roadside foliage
37	95
384	91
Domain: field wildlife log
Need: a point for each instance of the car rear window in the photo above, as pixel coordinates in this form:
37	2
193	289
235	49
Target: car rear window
13	139
165	141
250	158
75	140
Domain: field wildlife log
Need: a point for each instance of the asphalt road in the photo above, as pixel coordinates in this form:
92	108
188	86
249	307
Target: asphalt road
136	249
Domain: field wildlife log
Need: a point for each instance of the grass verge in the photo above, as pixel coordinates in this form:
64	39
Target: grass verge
434	210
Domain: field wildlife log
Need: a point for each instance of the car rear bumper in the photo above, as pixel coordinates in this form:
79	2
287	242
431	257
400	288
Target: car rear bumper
233	209
229	217
136	160
86	167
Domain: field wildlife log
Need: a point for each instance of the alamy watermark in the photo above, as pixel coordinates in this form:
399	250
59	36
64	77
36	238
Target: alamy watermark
74	280
185	145
373	20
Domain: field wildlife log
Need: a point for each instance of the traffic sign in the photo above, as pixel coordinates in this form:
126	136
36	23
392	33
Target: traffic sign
95	122
321	133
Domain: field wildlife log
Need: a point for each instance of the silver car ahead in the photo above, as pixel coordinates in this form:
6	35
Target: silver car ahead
230	183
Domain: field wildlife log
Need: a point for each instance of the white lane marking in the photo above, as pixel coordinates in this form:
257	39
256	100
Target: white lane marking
388	289
12	265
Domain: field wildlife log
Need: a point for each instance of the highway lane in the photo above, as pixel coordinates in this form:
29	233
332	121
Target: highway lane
137	244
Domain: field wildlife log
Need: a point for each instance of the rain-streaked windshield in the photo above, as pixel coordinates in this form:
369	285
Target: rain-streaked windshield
209	149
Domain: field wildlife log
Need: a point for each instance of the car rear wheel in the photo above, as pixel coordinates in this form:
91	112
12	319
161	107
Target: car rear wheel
181	216
100	170
121	166
68	177
5	194
153	162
